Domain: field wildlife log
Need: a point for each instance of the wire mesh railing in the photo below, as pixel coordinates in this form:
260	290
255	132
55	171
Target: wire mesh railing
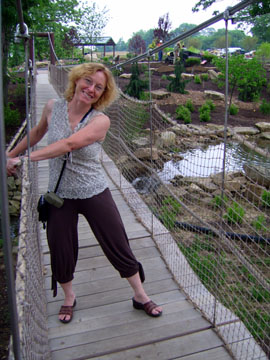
204	193
29	286
214	234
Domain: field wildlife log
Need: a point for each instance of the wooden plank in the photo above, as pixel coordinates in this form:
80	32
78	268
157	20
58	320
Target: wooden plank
158	349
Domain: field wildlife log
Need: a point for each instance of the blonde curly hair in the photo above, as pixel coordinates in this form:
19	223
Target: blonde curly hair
79	71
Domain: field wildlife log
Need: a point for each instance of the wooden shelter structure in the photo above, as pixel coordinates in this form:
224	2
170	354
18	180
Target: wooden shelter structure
104	41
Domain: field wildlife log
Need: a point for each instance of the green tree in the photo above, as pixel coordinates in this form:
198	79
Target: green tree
248	76
263	53
136	86
92	21
256	16
249	43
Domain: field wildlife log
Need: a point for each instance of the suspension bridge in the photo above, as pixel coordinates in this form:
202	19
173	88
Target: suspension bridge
214	290
105	325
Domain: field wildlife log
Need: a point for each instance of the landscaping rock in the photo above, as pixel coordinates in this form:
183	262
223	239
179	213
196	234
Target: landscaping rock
125	76
263	126
214	95
160	94
246	130
259	174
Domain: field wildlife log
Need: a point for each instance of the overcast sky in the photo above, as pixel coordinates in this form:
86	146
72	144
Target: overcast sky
129	16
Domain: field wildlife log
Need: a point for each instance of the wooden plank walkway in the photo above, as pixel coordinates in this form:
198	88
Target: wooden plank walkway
105	325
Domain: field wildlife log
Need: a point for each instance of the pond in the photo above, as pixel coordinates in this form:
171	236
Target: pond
205	162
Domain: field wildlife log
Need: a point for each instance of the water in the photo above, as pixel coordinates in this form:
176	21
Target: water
208	161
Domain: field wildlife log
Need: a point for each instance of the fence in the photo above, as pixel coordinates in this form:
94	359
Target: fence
30	294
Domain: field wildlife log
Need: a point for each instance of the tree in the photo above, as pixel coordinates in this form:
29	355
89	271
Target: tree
164	26
254	16
249	43
258	8
92	21
248	76
71	37
41	16
136	86
137	45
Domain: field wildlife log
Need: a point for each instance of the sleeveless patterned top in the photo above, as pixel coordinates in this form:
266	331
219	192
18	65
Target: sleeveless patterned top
83	176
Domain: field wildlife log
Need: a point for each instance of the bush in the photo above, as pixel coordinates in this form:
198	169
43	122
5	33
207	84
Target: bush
183	113
208	56
218	201
164	77
177	84
235	214
11	116
136	86
197	79
189	104
205	111
204	77
266	198
259	223
265	107
191	61
211	104
233	110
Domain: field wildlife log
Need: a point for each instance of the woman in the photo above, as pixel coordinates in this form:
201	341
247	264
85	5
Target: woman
76	128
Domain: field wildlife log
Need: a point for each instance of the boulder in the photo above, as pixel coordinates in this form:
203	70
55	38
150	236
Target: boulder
265	135
166	139
146	153
213	74
160	94
125	76
214	95
246	130
187	76
254	192
263	126
258	174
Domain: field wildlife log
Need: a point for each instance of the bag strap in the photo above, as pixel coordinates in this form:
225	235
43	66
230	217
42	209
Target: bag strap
65	161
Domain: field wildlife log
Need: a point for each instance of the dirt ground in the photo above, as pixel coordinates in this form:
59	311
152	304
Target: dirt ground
248	115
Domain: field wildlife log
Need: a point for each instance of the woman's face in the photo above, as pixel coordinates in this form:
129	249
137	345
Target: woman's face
91	87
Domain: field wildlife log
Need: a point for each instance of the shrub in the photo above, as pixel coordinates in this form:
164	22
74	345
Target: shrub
259	223
208	56
197	79
266	198
189	104
183	113
11	116
211	104
177	84
205	111
136	85
265	107
191	61
233	109
219	201
235	214
204	77
164	77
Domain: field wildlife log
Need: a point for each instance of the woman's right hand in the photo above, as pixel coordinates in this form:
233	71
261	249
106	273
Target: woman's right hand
12	164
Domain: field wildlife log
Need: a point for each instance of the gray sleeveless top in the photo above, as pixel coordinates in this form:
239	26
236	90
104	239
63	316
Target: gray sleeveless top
83	176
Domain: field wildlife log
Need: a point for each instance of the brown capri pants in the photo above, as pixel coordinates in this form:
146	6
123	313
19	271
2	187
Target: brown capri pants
104	219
